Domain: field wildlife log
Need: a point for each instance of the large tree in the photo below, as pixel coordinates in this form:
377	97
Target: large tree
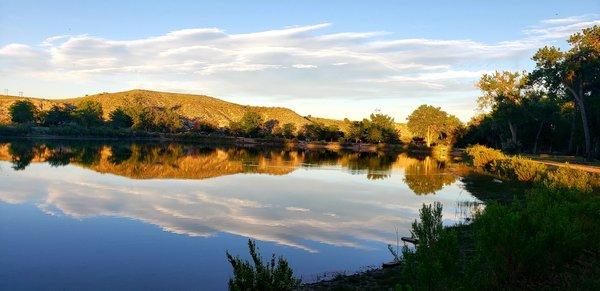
574	73
429	122
22	111
89	113
503	93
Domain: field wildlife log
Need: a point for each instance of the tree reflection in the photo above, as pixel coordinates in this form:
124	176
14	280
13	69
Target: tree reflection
22	153
190	161
427	176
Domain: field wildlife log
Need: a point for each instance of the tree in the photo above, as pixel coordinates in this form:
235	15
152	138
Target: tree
503	92
381	128
429	123
270	127
58	115
22	111
288	130
89	113
574	73
249	125
120	118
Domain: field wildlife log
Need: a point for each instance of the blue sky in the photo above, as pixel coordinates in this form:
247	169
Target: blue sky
341	58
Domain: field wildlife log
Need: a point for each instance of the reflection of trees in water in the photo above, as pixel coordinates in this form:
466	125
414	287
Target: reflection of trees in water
427	176
191	161
22	153
377	165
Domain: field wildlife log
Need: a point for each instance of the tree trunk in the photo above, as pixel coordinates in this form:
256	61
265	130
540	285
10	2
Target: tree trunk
428	138
513	132
586	128
537	137
572	135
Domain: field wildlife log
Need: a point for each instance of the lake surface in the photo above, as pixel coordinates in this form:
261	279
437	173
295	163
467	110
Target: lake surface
97	216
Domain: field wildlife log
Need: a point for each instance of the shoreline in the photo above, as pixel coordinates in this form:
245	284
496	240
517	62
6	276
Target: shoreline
230	140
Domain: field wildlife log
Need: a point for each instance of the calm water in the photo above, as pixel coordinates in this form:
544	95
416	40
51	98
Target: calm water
85	215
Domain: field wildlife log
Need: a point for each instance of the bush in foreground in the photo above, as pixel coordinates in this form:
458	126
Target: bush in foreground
275	274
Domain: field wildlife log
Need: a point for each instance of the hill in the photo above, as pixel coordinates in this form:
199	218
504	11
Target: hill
210	109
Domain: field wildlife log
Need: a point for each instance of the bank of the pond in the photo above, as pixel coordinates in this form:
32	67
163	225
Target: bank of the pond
542	236
112	134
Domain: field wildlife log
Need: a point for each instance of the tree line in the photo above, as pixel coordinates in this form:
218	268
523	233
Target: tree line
553	108
430	125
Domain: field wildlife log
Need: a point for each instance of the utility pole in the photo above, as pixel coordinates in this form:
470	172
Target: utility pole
20	93
5	91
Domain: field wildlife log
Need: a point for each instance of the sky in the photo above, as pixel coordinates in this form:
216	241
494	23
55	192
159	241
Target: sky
324	58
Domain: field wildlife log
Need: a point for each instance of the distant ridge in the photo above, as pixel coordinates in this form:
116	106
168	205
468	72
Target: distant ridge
210	109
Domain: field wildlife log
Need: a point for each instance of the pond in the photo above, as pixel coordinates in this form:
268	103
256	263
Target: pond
103	216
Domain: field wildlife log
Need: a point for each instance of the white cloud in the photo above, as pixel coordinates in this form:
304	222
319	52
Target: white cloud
263	66
304	66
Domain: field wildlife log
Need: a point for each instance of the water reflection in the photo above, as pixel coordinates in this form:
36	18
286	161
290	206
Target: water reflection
159	184
424	175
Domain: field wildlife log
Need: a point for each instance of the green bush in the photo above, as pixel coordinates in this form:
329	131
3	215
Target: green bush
482	156
519	169
23	111
258	275
434	263
569	178
518	244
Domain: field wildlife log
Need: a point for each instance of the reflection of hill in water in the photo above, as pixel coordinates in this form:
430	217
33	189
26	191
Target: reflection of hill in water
423	175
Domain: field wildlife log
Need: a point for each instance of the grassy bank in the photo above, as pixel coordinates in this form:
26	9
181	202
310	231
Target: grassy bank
547	238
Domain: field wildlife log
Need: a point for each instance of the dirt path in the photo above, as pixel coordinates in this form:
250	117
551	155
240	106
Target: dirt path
567	161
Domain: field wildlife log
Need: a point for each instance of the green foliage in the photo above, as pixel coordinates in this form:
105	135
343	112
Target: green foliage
58	115
89	113
379	128
567	178
249	125
434	262
432	124
22	111
519	169
482	156
120	118
288	130
156	119
320	131
275	274
518	243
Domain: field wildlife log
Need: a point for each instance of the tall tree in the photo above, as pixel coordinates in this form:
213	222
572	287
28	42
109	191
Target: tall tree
428	122
89	113
503	93
575	73
22	111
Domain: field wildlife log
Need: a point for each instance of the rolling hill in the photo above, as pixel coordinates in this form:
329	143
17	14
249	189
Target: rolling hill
207	108
210	109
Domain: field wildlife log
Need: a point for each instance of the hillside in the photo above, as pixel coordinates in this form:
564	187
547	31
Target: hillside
210	109
207	108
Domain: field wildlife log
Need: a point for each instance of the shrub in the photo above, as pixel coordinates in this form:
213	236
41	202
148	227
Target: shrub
272	275
482	156
569	178
518	243
434	262
518	168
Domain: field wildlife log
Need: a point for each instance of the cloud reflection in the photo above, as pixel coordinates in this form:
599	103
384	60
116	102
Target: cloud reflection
300	207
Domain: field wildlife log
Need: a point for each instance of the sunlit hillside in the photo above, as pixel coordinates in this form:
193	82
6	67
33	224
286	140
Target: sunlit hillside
210	109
